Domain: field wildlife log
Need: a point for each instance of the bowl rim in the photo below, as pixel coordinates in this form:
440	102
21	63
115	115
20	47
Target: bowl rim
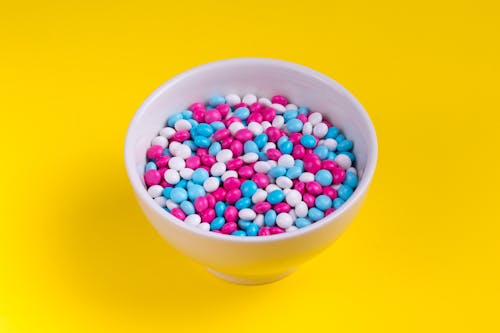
357	195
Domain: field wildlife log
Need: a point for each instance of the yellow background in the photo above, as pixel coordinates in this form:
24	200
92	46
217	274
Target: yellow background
77	255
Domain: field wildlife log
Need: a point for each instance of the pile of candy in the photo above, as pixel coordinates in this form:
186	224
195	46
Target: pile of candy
249	166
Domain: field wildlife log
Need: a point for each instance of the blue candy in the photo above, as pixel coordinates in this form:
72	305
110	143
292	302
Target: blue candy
202	141
187	114
308	141
339	138
294	125
275	197
250	147
193	122
351	155
239	233
344	145
344	192
199	176
299	163
220	208
195	191
187	207
294	172
178	195
277	171
182	183
282	140
191	145
286	147
270	218
263	156
322	152
204	130
173	119
216	100
217	223
302	222
303	110
243	203
242	113
290	114
252	229
166	152
150	166
214	148
217	125
332	133
243	224
248	188
331	156
261	140
323	202
315	214
324	177
351	180
337	203
166	192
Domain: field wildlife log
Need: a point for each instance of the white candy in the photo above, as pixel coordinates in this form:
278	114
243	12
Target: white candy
259	220
176	163
284	182
186	173
247	214
262	167
269	145
172	176
307	128
159	141
193	220
266	125
278	107
272	187
284	220
293	198
218	169
353	170
291	228
167	132
249	99
272	163
265	101
331	144
306	177
204	226
292	214
259	196
320	130
182	125
211	184
343	161
278	122
155	191
235	127
233	99
173	146
160	201
183	151
171	205
255	128
315	118
250	157
291	107
286	191
229	174
286	161
224	156
301	209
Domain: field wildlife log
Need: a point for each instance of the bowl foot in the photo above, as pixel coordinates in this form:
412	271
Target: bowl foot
250	280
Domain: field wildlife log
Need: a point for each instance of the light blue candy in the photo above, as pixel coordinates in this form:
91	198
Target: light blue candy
294	172
351	180
166	152
344	192
167	191
337	203
275	197
243	203
331	156
248	188
210	107
191	145
239	233
345	145
351	155
202	141
187	114
294	125
193	122
286	147
178	195
277	171
216	100
315	214
324	177
323	202
150	166
242	113
190	184
263	156
299	163
214	148
322	152
182	183
302	222
332	133
290	114
270	218
217	125
302	110
261	140
339	138
204	130
250	147
220	208
193	132
252	229
195	191
308	141
199	176
217	223
187	207
173	119
243	224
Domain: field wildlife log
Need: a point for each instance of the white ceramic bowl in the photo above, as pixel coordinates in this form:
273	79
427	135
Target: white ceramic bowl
251	260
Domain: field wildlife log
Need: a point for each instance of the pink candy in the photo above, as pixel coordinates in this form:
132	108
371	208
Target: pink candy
233	195
219	194
338	175
231	183
234	164
208	160
273	154
208	215
200	204
314	188
229	228
262	207
223	109
193	162
245	172
276	230
162	161
177	212
236	148
264	231
298	152
268	114
212	115
231	214
282	207
278	99
197	106
312	163
261	180
309	199
273	133
330	192
243	135
221	134
152	177
154	152
181	136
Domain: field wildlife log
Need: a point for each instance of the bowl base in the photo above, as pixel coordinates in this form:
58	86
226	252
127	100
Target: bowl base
250	280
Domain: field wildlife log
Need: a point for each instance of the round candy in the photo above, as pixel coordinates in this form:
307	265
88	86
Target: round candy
275	196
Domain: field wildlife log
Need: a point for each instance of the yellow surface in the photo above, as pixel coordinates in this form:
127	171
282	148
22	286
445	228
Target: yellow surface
76	254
